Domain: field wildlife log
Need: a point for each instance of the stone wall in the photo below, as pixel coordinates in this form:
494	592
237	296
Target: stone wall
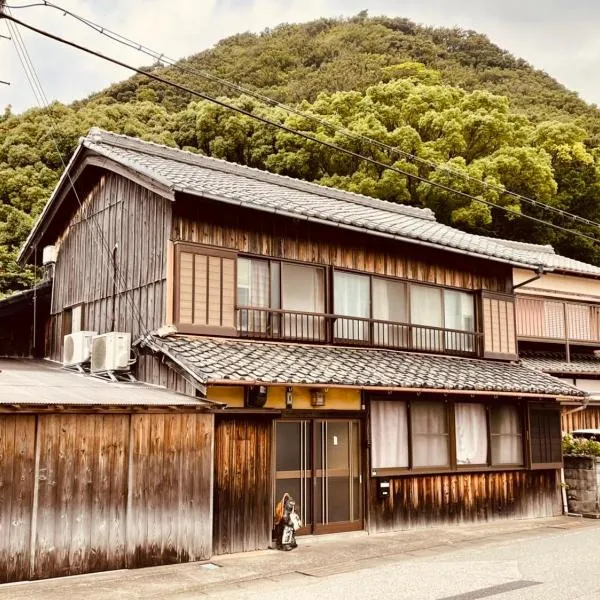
582	476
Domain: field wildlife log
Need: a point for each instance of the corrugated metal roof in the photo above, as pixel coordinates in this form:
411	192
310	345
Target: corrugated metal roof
36	382
220	360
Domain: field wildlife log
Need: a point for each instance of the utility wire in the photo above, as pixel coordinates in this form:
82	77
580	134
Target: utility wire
302	134
310	116
42	101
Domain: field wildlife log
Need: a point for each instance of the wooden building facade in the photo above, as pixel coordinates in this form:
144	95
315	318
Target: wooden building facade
341	342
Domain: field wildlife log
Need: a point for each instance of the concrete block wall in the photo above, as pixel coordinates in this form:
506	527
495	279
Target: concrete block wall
582	476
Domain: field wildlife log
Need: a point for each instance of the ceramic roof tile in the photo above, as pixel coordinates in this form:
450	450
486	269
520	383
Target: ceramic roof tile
221	360
556	362
203	176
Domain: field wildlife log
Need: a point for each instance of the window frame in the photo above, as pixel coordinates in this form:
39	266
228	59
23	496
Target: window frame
541	465
180	247
453	467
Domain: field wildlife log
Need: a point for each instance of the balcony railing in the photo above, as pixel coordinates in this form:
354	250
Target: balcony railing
544	319
318	328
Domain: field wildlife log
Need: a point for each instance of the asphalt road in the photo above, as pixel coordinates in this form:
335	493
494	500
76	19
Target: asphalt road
564	566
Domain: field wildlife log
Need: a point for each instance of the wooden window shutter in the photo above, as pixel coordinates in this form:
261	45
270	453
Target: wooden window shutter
498	317
204	290
579	325
554	319
530	317
545	438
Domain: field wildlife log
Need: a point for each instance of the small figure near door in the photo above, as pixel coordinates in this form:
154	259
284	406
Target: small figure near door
286	523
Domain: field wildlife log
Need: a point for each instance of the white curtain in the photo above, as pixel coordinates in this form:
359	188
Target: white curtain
506	434
426	309
471	434
351	297
303	289
429	434
253	291
389	304
389	434
459	313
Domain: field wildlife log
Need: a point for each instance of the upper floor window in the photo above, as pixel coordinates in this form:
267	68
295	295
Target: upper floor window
281	298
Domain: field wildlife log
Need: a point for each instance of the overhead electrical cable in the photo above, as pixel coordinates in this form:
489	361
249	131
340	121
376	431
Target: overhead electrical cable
42	101
302	134
160	57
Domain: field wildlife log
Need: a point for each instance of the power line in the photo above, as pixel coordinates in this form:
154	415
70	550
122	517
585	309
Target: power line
40	96
315	119
296	132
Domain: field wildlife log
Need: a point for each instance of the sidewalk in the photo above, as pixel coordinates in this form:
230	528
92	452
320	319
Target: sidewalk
316	556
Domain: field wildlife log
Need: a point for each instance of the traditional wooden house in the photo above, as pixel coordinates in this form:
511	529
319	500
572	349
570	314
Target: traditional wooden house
358	354
558	325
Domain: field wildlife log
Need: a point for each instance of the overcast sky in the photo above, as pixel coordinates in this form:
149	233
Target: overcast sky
559	36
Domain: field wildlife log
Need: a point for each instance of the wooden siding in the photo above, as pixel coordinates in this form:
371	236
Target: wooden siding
419	501
82	493
115	213
270	235
498	315
243	485
582	419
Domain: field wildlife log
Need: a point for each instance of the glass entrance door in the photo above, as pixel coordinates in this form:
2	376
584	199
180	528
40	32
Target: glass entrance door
318	463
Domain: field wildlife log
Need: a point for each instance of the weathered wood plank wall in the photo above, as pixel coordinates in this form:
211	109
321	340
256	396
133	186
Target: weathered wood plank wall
243	484
82	493
430	500
583	419
261	233
116	213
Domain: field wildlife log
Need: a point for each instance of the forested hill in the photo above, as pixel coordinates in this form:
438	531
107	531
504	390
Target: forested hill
445	95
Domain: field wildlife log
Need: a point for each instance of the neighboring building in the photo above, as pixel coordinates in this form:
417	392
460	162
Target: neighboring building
558	324
347	342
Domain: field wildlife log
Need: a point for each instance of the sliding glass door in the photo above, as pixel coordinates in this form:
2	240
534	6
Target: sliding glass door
318	463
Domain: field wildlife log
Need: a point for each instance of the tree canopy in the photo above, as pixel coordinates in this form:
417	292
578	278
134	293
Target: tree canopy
448	97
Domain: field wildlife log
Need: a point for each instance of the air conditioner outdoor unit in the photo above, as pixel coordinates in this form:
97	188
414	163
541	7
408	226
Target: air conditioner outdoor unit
111	352
77	347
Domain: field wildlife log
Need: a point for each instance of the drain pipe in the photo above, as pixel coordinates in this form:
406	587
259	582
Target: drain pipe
539	272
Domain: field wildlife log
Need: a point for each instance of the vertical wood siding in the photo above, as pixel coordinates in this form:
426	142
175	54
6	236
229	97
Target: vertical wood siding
583	419
247	231
430	500
243	485
82	493
115	212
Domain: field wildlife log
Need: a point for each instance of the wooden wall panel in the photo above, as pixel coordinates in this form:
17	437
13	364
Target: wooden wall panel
583	419
17	460
92	492
270	235
162	513
498	318
430	500
117	212
243	485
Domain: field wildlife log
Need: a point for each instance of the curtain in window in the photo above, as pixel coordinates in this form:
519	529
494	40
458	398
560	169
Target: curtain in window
351	298
253	290
471	434
303	289
426	309
389	304
429	434
506	434
389	434
459	313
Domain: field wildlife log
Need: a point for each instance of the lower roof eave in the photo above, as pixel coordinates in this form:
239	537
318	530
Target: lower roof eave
412	390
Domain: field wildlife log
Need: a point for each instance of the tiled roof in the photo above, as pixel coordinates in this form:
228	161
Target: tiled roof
556	362
36	382
213	360
223	181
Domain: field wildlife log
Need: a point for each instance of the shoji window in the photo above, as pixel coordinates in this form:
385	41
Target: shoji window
204	289
506	432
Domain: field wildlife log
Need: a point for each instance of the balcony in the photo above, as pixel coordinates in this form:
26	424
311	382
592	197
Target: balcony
316	328
541	319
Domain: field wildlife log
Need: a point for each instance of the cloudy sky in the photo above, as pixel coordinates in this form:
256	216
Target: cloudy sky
559	36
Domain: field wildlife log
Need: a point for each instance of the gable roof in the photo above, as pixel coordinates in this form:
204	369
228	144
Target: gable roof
217	360
230	183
